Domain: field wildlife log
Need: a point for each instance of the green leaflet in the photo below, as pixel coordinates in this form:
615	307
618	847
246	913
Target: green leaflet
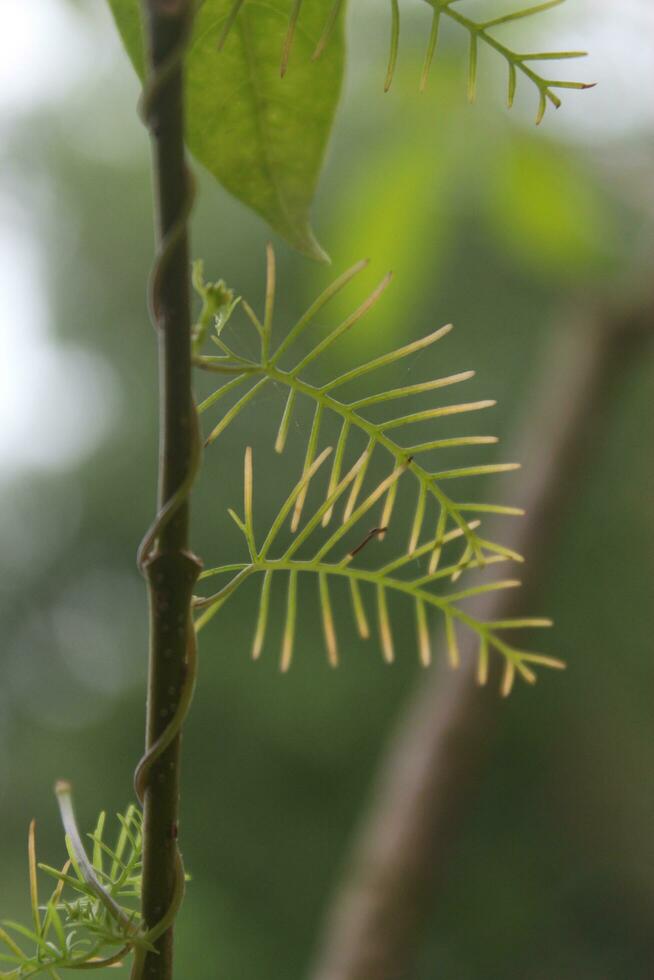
262	136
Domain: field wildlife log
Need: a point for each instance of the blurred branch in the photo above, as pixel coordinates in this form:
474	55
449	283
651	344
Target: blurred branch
434	756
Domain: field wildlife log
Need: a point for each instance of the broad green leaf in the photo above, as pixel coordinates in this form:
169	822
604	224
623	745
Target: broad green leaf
261	135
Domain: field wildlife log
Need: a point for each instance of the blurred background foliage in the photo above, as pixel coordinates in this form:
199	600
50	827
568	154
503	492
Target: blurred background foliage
487	222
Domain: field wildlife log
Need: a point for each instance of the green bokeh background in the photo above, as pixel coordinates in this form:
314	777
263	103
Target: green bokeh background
487	223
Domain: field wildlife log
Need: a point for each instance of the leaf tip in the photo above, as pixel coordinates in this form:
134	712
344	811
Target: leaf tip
508	679
305	241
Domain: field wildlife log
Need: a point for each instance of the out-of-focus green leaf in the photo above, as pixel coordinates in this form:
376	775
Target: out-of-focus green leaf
547	212
261	135
404	235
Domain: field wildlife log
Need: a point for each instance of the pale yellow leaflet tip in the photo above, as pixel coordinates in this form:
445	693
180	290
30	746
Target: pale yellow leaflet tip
452	645
553	662
508	679
527	674
423	636
385	628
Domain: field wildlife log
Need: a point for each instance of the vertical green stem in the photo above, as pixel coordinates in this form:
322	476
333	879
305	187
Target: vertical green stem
169	567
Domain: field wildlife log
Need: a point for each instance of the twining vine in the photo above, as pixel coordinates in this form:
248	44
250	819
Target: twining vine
123	898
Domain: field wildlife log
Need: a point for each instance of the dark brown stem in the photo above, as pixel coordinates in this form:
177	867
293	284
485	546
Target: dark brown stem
170	568
425	780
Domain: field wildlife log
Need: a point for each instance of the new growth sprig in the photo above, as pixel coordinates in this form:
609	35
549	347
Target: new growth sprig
438	524
91	918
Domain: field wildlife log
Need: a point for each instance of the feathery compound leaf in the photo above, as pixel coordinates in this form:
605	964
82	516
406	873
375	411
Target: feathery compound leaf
479	31
340	554
353	418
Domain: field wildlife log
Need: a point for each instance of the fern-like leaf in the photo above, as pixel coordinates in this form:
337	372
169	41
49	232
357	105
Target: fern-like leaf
332	561
484	32
383	437
516	62
346	490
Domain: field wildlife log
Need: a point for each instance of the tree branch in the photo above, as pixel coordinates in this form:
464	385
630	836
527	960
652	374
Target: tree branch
425	780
